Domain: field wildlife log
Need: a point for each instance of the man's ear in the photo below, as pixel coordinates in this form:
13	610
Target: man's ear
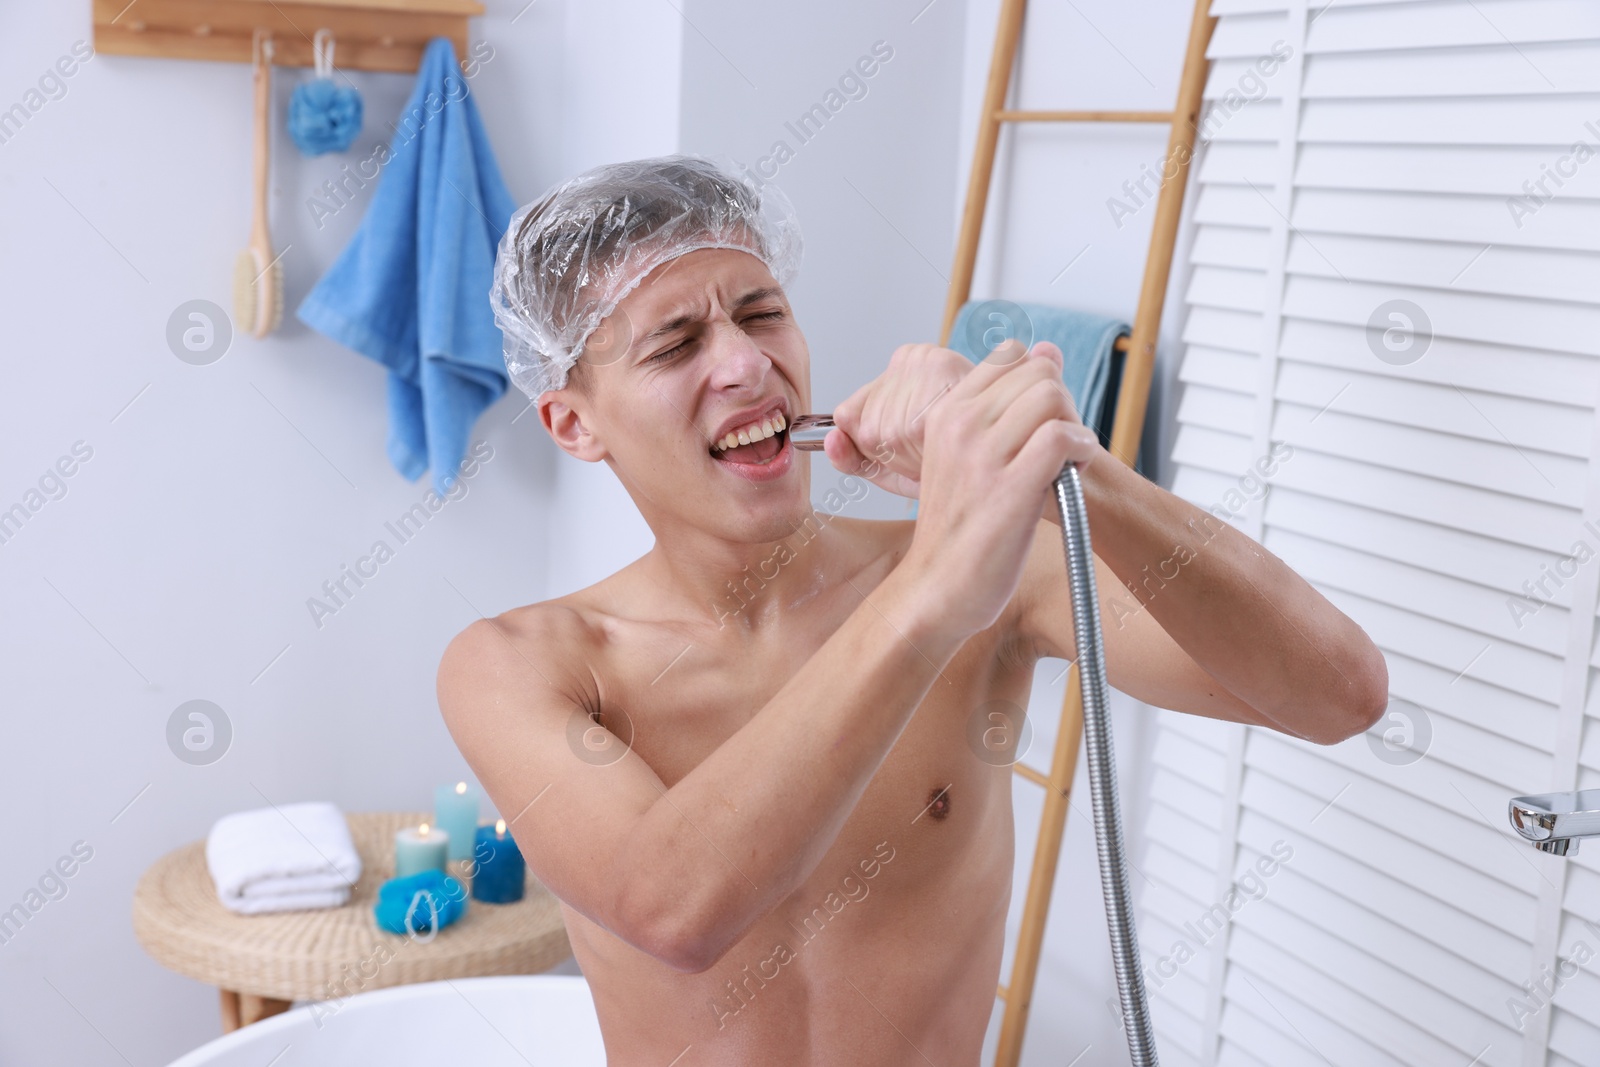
567	429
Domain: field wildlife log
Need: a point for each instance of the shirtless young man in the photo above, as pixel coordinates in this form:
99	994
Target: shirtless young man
772	835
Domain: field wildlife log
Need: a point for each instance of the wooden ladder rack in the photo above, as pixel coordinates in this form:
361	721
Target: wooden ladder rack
1127	426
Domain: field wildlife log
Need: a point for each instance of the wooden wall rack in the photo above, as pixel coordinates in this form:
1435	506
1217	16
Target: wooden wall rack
387	35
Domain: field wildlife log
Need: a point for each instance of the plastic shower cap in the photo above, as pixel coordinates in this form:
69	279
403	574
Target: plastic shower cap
567	259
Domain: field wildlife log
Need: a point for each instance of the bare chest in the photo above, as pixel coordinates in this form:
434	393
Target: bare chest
938	806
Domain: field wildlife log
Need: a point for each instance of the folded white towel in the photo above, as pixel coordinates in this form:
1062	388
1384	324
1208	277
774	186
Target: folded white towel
305	883
313	900
288	858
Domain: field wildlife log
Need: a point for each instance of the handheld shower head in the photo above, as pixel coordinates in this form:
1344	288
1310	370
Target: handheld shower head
807	431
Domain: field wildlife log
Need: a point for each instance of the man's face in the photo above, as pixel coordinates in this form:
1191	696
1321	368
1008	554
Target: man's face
704	346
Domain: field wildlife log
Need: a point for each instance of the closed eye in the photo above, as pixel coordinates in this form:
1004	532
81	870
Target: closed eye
669	353
766	316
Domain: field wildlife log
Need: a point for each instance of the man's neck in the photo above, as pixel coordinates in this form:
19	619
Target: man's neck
749	584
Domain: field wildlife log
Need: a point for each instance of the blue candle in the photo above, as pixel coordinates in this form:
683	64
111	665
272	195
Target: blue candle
418	849
455	810
500	869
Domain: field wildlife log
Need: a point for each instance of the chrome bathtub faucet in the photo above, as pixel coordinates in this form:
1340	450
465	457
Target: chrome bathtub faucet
1556	822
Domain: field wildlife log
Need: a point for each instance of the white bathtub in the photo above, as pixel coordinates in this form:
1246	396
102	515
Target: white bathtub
540	1020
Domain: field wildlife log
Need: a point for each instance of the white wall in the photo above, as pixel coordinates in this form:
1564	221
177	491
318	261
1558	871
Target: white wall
872	188
178	564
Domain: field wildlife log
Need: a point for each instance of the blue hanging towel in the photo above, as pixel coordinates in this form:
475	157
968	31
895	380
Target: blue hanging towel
412	289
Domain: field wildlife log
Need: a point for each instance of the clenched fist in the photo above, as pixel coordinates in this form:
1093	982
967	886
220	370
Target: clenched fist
979	446
880	429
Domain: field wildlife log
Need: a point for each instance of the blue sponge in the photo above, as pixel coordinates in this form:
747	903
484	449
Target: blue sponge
324	117
413	904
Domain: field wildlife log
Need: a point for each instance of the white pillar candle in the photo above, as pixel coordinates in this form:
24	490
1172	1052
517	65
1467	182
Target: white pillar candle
418	849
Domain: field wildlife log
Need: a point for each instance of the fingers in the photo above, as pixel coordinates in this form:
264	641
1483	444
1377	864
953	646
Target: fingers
1024	406
1040	402
848	458
1048	449
991	368
888	412
842	452
1030	391
1049	350
1008	370
848	413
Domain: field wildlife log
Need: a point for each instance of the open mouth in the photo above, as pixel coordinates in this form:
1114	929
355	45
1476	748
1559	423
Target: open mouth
757	444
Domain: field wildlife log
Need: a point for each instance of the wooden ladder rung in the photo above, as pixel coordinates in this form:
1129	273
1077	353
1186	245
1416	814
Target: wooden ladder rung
1031	775
1085	116
1001	991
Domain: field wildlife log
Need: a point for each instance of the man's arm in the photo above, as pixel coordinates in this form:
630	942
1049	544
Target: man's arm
1198	617
682	873
1220	626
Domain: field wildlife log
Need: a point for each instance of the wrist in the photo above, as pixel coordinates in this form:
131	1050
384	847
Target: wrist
1052	511
916	603
1119	511
1090	474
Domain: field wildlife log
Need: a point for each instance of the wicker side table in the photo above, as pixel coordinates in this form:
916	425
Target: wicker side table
261	963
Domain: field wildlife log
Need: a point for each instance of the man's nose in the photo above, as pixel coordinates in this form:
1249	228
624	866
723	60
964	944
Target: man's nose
736	360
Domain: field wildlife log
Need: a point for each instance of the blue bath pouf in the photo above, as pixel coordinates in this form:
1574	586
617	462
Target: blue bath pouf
324	117
411	905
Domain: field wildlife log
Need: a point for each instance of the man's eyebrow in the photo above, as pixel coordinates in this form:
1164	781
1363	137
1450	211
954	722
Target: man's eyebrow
755	296
684	318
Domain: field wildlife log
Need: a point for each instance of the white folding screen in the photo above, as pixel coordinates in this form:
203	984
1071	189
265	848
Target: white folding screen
1394	310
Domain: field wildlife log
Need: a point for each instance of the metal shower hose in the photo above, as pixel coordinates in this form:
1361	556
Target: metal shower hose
1102	768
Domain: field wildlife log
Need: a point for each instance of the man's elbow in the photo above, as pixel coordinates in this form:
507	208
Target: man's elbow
1361	705
695	955
672	933
687	949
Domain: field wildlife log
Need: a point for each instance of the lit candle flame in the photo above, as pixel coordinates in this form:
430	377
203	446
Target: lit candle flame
461	787
500	828
423	830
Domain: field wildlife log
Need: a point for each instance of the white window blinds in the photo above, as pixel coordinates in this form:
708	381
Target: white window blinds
1395	271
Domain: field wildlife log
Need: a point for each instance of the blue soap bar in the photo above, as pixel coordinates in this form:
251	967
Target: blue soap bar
429	900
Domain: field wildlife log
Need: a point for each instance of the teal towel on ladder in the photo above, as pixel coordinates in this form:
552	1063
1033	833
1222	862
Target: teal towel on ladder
1090	365
411	290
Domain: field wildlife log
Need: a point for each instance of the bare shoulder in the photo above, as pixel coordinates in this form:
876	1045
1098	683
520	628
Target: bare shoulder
519	658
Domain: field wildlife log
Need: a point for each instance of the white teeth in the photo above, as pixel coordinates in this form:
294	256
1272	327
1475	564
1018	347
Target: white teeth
759	431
